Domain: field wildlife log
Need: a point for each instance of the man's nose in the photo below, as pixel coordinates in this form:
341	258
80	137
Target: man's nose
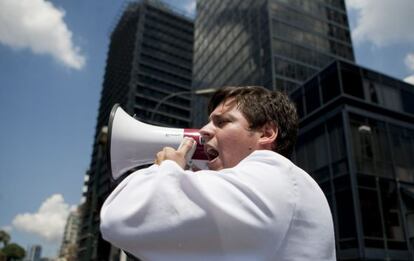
206	132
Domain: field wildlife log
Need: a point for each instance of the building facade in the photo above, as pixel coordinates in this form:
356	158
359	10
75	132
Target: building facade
357	141
356	136
34	253
149	60
68	247
274	43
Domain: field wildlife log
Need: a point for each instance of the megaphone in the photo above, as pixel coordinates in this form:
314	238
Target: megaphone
132	143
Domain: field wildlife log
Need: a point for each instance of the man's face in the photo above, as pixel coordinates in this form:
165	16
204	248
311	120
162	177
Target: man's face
228	138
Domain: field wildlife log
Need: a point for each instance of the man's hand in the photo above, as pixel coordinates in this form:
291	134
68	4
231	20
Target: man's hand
178	155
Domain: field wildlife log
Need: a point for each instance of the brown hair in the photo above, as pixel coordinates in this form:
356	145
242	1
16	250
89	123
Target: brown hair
261	106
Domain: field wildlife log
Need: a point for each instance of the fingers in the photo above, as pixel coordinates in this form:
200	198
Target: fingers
159	157
179	155
164	154
186	145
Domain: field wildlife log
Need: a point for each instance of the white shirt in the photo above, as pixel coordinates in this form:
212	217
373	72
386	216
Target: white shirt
265	208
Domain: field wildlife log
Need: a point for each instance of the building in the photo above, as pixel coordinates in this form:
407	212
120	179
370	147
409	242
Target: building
275	43
357	140
34	253
68	247
148	72
357	133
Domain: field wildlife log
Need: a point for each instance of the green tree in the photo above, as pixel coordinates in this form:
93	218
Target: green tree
4	237
2	256
13	252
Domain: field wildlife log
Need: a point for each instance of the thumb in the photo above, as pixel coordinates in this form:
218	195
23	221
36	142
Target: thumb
186	145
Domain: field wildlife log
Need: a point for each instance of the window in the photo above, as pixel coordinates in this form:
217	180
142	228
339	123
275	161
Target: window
392	215
312	95
370	91
297	99
371	218
329	83
402	146
316	153
351	80
345	213
371	147
337	146
389	97
407	101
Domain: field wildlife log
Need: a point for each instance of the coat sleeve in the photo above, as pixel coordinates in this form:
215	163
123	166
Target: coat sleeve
164	210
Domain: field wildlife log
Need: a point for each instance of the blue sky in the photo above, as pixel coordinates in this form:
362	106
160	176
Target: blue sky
51	72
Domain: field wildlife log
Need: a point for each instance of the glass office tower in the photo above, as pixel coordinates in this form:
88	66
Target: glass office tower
149	59
357	141
357	126
275	43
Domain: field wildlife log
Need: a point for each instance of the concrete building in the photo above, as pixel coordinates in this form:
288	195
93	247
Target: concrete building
34	253
149	58
68	247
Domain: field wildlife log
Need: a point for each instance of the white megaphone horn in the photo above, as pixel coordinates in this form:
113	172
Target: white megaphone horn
132	143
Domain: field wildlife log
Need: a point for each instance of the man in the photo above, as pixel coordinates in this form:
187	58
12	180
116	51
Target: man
253	203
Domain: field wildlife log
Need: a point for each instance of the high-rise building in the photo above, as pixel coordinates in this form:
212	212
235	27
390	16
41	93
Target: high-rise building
275	43
34	253
357	140
357	127
68	247
148	72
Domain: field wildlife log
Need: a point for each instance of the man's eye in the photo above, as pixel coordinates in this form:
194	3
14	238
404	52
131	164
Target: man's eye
221	122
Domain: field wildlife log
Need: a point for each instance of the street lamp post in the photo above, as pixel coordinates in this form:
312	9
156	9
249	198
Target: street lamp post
197	92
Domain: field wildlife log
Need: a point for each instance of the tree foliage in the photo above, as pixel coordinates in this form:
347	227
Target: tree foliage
13	251
4	237
10	251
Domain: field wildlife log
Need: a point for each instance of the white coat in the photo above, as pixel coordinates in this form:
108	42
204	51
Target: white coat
265	208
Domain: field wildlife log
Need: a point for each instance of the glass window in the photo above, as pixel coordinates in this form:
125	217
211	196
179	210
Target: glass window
407	196
345	213
329	83
371	218
300	153
337	146
389	97
370	91
317	153
371	147
297	99
392	215
402	146
312	95
407	101
351	80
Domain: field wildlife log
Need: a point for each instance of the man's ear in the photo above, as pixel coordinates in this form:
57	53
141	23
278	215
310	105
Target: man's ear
268	135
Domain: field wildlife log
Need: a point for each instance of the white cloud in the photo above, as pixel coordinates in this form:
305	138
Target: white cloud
383	22
190	7
48	222
409	61
39	26
410	79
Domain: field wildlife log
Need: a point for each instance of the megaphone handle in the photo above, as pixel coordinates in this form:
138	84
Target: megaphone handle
190	153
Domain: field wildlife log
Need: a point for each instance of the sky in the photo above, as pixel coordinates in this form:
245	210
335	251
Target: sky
52	62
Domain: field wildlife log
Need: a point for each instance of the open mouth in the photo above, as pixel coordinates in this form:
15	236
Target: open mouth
212	154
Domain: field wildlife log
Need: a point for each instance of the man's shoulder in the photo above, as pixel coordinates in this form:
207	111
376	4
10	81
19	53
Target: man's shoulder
269	157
